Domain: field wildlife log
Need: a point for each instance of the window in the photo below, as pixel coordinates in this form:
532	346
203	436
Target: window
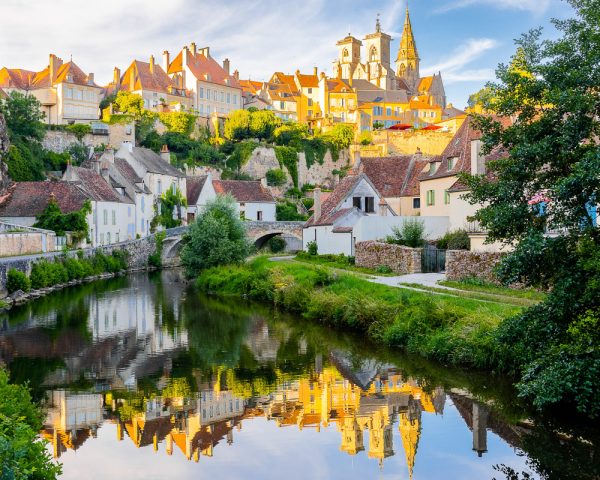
201	109
451	163
114	217
142	225
310	91
282	105
356	202
235	99
143	205
229	98
201	92
310	113
159	187
222	97
101	239
416	203
108	237
259	216
215	95
388	112
117	237
446	197
430	197
69	93
208	93
105	217
432	168
310	102
370	204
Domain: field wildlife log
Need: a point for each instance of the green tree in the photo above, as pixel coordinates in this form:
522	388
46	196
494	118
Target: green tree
22	454
276	177
23	117
80	130
23	165
217	237
290	134
180	122
237	125
263	124
53	219
549	180
341	136
170	203
129	103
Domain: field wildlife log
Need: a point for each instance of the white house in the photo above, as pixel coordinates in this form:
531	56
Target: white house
333	222
253	200
155	170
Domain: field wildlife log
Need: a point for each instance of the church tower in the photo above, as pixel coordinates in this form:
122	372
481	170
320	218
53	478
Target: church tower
348	58
378	63
408	57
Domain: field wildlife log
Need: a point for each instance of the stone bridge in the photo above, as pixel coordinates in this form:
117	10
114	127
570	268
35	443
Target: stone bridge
258	232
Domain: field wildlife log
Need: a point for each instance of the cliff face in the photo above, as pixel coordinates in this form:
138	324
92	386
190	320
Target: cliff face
4	144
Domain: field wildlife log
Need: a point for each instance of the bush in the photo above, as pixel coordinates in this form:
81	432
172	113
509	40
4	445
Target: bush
276	177
312	248
410	234
457	240
383	269
75	269
17	280
365	138
277	244
22	453
288	212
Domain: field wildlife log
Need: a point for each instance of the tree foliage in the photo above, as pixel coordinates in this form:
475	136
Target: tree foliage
23	117
53	219
217	237
80	130
180	122
250	124
168	212
549	181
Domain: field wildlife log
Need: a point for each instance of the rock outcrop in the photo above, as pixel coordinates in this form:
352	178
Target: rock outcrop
4	144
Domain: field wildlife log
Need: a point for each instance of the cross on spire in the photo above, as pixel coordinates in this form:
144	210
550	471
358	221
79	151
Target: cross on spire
378	23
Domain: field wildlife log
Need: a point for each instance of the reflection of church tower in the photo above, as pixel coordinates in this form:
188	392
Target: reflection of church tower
410	431
352	436
480	415
408	57
381	441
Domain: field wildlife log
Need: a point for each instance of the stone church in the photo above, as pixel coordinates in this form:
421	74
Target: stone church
378	70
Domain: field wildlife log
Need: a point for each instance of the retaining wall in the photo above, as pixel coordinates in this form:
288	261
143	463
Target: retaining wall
401	260
462	264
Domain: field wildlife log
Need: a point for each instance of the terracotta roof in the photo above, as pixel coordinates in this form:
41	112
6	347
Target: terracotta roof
28	80
421	105
329	212
425	84
280	77
146	78
30	199
452	112
3	94
251	86
337	85
395	176
15	78
127	171
97	187
194	186
243	190
206	69
308	81
369	93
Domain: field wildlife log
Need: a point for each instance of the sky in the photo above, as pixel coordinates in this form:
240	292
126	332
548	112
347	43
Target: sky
464	39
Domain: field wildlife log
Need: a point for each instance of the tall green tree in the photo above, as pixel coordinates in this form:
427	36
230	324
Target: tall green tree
217	237
23	115
549	182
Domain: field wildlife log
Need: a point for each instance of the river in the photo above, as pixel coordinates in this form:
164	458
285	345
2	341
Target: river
142	377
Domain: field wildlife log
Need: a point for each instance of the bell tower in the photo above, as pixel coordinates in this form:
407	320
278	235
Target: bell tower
378	59
408	57
348	57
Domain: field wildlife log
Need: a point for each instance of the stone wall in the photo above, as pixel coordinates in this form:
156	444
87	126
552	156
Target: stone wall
462	264
401	260
25	243
407	142
264	159
4	144
58	141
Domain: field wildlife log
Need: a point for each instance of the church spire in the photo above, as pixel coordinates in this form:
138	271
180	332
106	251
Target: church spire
408	56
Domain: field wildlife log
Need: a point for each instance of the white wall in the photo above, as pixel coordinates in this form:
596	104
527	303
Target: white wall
144	213
103	231
327	241
374	228
250	209
459	211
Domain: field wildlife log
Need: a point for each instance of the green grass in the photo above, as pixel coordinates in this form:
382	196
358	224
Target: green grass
448	329
338	261
476	285
487	297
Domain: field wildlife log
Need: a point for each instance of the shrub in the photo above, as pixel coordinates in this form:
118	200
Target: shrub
277	244
457	240
75	269
410	234
365	138
17	280
383	269
155	259
276	177
288	212
312	248
288	158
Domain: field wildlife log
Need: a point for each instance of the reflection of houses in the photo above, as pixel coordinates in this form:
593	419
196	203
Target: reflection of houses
71	419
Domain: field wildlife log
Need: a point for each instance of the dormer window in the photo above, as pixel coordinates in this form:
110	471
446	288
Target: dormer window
451	163
432	168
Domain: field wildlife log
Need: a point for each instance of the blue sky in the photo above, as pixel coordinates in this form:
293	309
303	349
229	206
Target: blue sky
465	39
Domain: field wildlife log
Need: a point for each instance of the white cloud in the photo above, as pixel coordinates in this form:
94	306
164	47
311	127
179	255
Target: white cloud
536	7
455	68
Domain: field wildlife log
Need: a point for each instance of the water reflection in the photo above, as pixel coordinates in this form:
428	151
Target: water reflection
141	365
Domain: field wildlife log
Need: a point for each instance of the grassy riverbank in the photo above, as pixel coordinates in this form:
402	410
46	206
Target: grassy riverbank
448	329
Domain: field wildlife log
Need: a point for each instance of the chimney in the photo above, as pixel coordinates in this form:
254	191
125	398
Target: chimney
193	48
316	71
166	60
152	64
263	182
205	51
53	66
132	79
164	154
477	160
117	76
236	74
90	78
317	204
226	65
357	160
383	211
128	145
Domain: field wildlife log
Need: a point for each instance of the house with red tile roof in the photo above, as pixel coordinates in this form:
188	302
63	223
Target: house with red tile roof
67	94
215	91
332	225
149	80
253	200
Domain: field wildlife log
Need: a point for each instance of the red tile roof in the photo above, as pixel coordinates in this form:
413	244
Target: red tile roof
15	78
145	78
395	176
329	212
97	187
28	80
30	199
244	190
307	81
206	69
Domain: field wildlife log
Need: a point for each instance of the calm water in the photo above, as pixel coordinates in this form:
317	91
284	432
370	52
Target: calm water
143	378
